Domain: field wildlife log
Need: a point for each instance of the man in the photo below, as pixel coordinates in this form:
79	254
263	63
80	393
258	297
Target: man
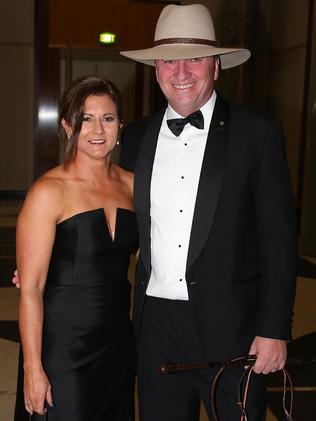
216	272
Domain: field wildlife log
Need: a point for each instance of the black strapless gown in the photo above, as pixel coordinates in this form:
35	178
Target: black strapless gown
88	343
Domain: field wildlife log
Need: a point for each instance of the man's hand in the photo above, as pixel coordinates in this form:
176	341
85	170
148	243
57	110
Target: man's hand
15	279
271	354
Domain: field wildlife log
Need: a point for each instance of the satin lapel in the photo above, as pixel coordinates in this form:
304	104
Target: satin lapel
211	178
143	172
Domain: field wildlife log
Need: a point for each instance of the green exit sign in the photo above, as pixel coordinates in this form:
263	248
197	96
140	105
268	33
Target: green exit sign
107	38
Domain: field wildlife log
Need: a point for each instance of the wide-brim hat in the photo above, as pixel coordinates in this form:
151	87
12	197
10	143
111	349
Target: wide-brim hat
184	32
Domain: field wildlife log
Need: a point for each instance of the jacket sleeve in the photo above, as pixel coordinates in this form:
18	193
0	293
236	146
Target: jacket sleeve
277	236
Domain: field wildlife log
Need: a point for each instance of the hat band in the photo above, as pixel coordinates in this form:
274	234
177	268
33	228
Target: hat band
186	41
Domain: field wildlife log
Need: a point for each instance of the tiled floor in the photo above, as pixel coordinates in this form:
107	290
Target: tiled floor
304	323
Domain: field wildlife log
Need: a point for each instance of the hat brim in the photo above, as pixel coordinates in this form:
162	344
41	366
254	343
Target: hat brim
229	57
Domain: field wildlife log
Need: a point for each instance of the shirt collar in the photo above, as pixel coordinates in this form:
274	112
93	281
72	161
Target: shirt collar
207	111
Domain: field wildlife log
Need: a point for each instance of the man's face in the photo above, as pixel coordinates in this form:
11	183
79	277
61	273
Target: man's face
187	83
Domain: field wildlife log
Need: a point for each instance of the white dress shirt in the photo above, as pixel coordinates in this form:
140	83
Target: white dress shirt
174	185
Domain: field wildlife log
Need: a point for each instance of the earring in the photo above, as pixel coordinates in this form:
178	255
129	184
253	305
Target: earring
118	141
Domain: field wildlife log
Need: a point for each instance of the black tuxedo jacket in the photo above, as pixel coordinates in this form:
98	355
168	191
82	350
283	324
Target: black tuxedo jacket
241	263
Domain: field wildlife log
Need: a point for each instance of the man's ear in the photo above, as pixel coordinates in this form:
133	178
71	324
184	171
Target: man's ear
67	127
156	71
217	65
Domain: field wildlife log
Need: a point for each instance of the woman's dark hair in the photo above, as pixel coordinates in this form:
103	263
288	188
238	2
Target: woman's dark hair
72	107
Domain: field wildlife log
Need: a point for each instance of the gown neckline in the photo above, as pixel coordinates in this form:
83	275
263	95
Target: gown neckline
105	218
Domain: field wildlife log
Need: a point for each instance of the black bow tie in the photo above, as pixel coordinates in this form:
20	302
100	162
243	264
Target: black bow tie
176	125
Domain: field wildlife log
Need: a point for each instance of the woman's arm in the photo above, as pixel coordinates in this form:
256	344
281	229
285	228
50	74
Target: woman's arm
35	237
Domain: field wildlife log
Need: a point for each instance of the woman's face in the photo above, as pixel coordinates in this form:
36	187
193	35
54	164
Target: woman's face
100	127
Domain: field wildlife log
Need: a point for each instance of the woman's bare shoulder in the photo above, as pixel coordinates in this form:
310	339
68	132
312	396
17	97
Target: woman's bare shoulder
47	193
127	177
50	183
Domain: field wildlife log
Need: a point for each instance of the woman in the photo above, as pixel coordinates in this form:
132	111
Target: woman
75	234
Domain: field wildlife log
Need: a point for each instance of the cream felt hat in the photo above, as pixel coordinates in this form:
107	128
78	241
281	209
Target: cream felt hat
184	32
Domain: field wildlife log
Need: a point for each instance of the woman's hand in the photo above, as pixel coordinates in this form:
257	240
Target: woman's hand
16	279
37	391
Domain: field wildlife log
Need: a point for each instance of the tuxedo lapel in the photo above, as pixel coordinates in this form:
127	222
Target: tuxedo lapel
143	172
211	178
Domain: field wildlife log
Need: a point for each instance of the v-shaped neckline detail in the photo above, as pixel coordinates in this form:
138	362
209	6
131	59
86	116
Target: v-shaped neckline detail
112	238
108	229
109	226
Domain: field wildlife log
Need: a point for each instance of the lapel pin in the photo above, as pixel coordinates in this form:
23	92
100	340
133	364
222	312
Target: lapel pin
221	123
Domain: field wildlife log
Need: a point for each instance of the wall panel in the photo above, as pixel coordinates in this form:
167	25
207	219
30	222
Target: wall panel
77	23
16	75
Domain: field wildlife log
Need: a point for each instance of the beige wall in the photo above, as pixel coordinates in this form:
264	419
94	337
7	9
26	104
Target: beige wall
16	75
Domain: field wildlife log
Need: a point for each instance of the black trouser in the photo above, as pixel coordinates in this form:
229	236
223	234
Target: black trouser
167	335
